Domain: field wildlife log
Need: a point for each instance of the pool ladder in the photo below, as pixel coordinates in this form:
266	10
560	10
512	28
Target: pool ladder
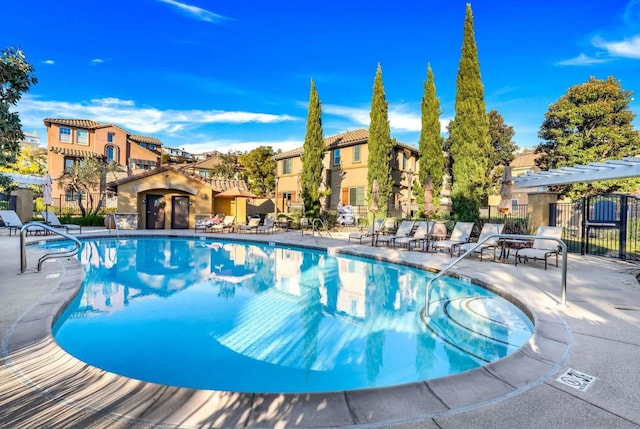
23	245
563	279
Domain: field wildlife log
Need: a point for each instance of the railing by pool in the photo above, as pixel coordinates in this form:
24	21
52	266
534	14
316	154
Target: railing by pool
23	245
563	280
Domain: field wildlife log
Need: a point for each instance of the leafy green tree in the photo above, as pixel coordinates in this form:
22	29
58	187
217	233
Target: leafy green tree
469	131
30	161
380	145
228	166
259	170
83	178
16	77
430	145
592	122
314	148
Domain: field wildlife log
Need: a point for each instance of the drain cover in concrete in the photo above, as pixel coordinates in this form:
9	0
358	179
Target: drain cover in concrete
576	379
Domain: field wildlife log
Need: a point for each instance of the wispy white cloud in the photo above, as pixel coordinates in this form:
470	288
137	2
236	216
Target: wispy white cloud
145	120
626	48
48	62
196	12
581	60
238	145
97	61
402	117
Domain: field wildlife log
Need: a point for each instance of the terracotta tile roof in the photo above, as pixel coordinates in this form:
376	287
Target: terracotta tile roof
145	139
217	184
524	160
345	139
79	123
208	163
77	153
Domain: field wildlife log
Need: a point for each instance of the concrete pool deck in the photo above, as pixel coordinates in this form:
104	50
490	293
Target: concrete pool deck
596	334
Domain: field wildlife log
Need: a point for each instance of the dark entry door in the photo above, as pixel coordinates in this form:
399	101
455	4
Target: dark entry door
180	212
155	211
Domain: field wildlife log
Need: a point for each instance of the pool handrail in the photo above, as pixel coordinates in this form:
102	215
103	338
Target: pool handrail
23	246
317	226
115	224
563	280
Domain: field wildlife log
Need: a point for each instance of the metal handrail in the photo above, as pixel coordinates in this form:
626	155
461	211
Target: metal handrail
315	228
23	245
563	246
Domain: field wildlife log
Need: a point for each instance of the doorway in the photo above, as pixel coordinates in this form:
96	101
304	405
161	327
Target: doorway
155	211
180	212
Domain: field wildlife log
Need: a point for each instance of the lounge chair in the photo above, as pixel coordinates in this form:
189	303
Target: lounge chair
205	225
541	249
14	224
225	225
267	226
252	225
420	234
52	219
461	234
488	229
371	232
404	230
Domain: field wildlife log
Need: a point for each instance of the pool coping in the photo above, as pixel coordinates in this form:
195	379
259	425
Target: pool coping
33	356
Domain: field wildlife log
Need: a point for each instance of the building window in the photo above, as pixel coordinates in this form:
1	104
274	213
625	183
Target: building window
71	195
111	137
144	145
336	157
68	164
286	166
152	147
111	153
65	135
356	153
356	196
404	161
82	137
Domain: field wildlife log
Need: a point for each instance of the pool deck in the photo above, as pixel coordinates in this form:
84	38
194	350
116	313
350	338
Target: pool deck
597	333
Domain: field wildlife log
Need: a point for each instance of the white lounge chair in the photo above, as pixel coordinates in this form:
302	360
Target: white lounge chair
52	219
14	224
404	230
371	232
420	234
542	249
251	226
267	226
225	225
488	229
461	234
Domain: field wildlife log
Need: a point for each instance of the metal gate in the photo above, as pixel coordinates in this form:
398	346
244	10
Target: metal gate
603	225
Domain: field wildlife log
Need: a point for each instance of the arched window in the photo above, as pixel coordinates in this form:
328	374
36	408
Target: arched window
111	153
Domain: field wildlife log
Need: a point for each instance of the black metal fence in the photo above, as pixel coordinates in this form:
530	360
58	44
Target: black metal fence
602	225
8	202
62	206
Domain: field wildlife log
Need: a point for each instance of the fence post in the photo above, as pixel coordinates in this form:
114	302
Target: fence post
622	235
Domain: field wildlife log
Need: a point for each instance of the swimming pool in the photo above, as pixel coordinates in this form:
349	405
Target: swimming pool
249	317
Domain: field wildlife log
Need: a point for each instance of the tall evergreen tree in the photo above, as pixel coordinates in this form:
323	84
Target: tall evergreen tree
380	145
469	131
314	148
430	143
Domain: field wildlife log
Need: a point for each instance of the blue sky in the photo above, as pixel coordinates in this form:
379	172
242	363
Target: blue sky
212	75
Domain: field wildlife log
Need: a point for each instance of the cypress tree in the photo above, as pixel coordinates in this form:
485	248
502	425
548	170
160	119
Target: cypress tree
469	131
380	145
312	156
430	143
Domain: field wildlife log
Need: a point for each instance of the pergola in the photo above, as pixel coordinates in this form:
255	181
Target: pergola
605	170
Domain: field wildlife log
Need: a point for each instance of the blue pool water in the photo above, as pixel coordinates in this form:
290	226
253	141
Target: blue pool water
249	317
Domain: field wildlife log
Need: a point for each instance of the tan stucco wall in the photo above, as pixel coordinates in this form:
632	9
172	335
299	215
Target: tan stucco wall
538	208
132	196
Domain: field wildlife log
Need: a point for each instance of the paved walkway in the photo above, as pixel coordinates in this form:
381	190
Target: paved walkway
597	334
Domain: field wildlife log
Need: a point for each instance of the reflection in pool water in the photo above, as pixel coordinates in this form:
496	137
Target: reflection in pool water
248	317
